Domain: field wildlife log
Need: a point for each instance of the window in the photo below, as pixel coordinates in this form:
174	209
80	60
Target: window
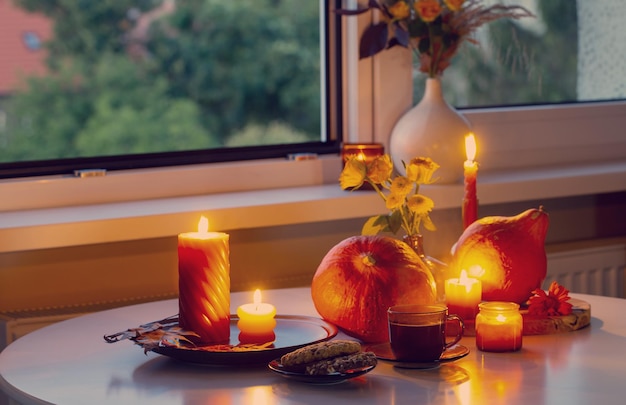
373	98
564	55
581	125
160	82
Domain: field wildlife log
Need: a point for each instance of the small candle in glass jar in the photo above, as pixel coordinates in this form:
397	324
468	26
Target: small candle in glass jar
365	152
499	327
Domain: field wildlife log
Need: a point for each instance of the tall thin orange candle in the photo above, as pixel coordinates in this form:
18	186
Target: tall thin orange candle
470	170
204	283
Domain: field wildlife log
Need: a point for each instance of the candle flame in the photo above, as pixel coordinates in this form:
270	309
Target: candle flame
464	280
257	296
501	318
203	225
470	147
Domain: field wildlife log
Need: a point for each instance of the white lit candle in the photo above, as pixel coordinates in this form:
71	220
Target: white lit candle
256	321
463	295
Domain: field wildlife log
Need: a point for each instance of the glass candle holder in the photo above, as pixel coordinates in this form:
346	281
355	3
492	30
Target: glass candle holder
365	152
499	327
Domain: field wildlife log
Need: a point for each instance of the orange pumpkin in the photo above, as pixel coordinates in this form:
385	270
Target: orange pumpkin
362	276
506	253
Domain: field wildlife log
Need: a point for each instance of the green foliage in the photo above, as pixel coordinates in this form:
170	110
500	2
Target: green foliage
273	133
391	222
216	58
122	121
208	72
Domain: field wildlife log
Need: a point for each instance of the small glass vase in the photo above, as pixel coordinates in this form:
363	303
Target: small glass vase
437	268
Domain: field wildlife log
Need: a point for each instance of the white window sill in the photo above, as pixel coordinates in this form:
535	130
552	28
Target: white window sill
43	228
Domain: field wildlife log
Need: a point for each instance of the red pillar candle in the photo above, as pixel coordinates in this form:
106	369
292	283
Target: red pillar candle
204	284
470	169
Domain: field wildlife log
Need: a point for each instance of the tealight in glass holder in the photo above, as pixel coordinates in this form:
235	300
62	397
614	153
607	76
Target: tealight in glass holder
499	327
365	152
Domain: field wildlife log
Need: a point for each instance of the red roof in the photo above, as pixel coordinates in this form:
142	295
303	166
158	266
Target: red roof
19	30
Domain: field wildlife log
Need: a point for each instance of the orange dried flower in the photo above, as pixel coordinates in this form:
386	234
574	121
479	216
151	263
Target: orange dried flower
400	10
553	303
428	10
454	5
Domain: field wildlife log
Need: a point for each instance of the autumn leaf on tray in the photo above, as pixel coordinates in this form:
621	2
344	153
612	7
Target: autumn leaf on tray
552	303
167	333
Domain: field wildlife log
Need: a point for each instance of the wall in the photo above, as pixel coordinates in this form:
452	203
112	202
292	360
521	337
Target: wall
273	257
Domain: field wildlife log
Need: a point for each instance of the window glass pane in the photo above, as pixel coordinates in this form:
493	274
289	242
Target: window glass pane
573	51
115	77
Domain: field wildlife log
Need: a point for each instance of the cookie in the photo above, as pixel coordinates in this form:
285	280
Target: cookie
320	351
342	364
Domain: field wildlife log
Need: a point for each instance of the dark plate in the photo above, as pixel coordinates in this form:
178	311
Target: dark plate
383	352
292	332
326	379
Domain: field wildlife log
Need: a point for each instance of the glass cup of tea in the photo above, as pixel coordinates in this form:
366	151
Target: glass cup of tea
417	333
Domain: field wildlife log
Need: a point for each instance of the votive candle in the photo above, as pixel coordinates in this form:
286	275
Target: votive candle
499	327
204	284
463	295
256	321
364	152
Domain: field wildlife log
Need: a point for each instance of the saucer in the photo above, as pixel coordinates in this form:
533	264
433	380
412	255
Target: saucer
325	379
383	352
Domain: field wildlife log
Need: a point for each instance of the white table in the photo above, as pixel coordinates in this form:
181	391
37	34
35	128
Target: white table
69	363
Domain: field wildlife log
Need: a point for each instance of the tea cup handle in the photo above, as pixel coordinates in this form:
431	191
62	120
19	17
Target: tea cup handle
460	330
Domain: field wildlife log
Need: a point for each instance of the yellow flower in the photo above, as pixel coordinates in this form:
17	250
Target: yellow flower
401	186
394	201
400	10
421	169
380	169
428	10
454	5
409	210
420	204
353	174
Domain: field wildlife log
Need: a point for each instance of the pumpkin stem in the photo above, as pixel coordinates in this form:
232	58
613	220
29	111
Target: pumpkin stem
368	260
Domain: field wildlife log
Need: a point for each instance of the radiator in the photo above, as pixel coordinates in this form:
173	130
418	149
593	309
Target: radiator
597	270
14	324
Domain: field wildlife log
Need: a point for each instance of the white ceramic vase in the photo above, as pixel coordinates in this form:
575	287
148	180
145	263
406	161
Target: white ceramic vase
433	129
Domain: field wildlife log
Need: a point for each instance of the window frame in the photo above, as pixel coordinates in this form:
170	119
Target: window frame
374	95
330	131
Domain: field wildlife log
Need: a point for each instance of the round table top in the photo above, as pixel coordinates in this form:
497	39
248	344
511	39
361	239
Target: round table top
70	363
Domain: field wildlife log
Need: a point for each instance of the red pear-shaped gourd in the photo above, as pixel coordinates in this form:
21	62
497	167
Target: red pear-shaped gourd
506	253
